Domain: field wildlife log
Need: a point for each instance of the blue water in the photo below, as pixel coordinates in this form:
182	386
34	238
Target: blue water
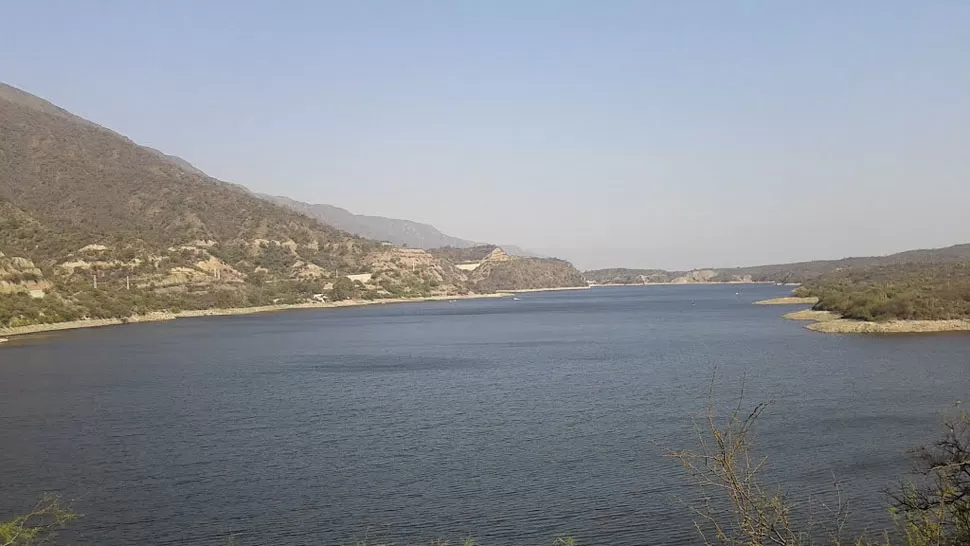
509	421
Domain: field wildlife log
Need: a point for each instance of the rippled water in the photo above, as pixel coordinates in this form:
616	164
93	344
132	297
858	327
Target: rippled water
510	421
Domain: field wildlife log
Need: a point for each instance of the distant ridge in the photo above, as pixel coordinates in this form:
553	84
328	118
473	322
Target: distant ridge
797	272
393	230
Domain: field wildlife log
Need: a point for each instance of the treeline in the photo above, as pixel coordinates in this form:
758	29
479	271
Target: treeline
913	291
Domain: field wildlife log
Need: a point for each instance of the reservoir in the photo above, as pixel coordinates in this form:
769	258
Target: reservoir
511	421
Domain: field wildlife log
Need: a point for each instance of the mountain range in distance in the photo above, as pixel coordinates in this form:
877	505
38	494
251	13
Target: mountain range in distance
399	232
795	273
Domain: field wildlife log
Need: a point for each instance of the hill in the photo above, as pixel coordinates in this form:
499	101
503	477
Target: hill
398	232
94	226
490	268
805	271
799	272
660	276
111	228
910	291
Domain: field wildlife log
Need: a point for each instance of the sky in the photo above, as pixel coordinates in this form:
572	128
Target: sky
654	134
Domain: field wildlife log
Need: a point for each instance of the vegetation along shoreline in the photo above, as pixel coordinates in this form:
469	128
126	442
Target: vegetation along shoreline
162	316
829	322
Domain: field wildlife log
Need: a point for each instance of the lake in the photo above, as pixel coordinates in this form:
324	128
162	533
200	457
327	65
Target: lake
509	421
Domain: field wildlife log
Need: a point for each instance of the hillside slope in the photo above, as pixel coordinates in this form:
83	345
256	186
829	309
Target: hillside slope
393	230
115	228
94	226
490	268
398	232
910	291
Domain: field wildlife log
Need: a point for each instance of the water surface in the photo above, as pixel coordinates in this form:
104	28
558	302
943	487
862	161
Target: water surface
510	421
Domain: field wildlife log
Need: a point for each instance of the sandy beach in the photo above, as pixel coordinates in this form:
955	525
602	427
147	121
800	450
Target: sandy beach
160	316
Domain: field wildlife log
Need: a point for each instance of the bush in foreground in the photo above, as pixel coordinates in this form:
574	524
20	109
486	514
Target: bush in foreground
39	526
739	510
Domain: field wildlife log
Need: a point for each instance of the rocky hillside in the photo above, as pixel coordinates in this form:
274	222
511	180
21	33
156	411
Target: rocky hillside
92	225
392	230
490	268
473	254
113	228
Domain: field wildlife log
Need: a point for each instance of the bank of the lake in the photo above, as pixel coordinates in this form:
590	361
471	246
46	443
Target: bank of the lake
163	316
788	300
848	326
556	289
833	323
693	283
812	315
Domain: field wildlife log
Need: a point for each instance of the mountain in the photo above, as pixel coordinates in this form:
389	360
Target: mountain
914	290
491	268
92	225
799	272
102	227
398	232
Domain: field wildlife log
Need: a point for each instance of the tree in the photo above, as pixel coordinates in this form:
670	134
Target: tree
343	289
738	510
39	526
935	510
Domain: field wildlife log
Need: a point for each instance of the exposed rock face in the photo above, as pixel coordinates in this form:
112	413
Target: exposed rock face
699	275
496	256
20	275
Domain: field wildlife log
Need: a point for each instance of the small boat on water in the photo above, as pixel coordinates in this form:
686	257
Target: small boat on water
515	298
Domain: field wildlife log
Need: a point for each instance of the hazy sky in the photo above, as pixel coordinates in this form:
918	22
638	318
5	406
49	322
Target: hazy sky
644	134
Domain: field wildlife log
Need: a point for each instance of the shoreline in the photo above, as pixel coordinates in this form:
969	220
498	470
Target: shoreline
706	283
556	289
789	300
828	322
224	312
